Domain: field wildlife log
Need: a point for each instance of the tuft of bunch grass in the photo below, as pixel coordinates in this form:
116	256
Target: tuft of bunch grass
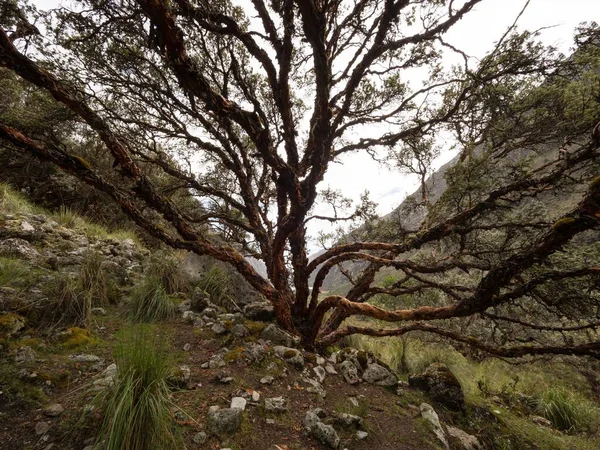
67	217
166	267
560	407
215	282
12	202
150	301
94	279
13	271
68	306
137	407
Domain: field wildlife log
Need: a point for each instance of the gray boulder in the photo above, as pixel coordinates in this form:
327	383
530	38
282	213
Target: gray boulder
290	355
349	371
259	311
442	385
348	421
462	440
224	422
429	414
379	375
326	434
276	405
312	417
199	300
277	336
18	247
239	331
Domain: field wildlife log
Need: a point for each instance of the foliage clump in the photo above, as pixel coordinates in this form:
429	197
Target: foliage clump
150	301
166	268
137	413
565	410
215	282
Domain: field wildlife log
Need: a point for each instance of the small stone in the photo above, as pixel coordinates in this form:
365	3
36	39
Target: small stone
26	226
98	311
54	410
267	380
211	313
429	414
330	370
187	347
18	247
259	312
349	372
226	380
24	354
180	377
379	375
290	355
224	422
320	360
464	440
200	438
277	335
255	396
271	421
84	358
219	328
326	434
315	387
320	372
312	417
216	361
41	428
190	316
276	405
105	379
239	331
238	402
541	421
348	420
360	435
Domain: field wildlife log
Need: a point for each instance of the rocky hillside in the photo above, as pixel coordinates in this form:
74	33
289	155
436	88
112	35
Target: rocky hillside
68	296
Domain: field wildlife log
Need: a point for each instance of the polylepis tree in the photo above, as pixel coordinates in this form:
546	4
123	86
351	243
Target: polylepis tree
247	107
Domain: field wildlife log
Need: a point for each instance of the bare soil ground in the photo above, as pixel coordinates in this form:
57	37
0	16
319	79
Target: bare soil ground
392	422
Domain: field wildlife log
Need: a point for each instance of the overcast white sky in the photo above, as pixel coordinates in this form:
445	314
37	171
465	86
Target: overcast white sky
475	34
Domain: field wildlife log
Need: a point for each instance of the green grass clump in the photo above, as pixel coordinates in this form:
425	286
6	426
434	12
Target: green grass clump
137	407
66	217
215	282
166	267
67	304
150	302
565	410
72	298
95	281
12	202
13	272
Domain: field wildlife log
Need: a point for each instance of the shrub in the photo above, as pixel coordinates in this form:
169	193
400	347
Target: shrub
564	410
150	302
137	407
166	267
215	282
